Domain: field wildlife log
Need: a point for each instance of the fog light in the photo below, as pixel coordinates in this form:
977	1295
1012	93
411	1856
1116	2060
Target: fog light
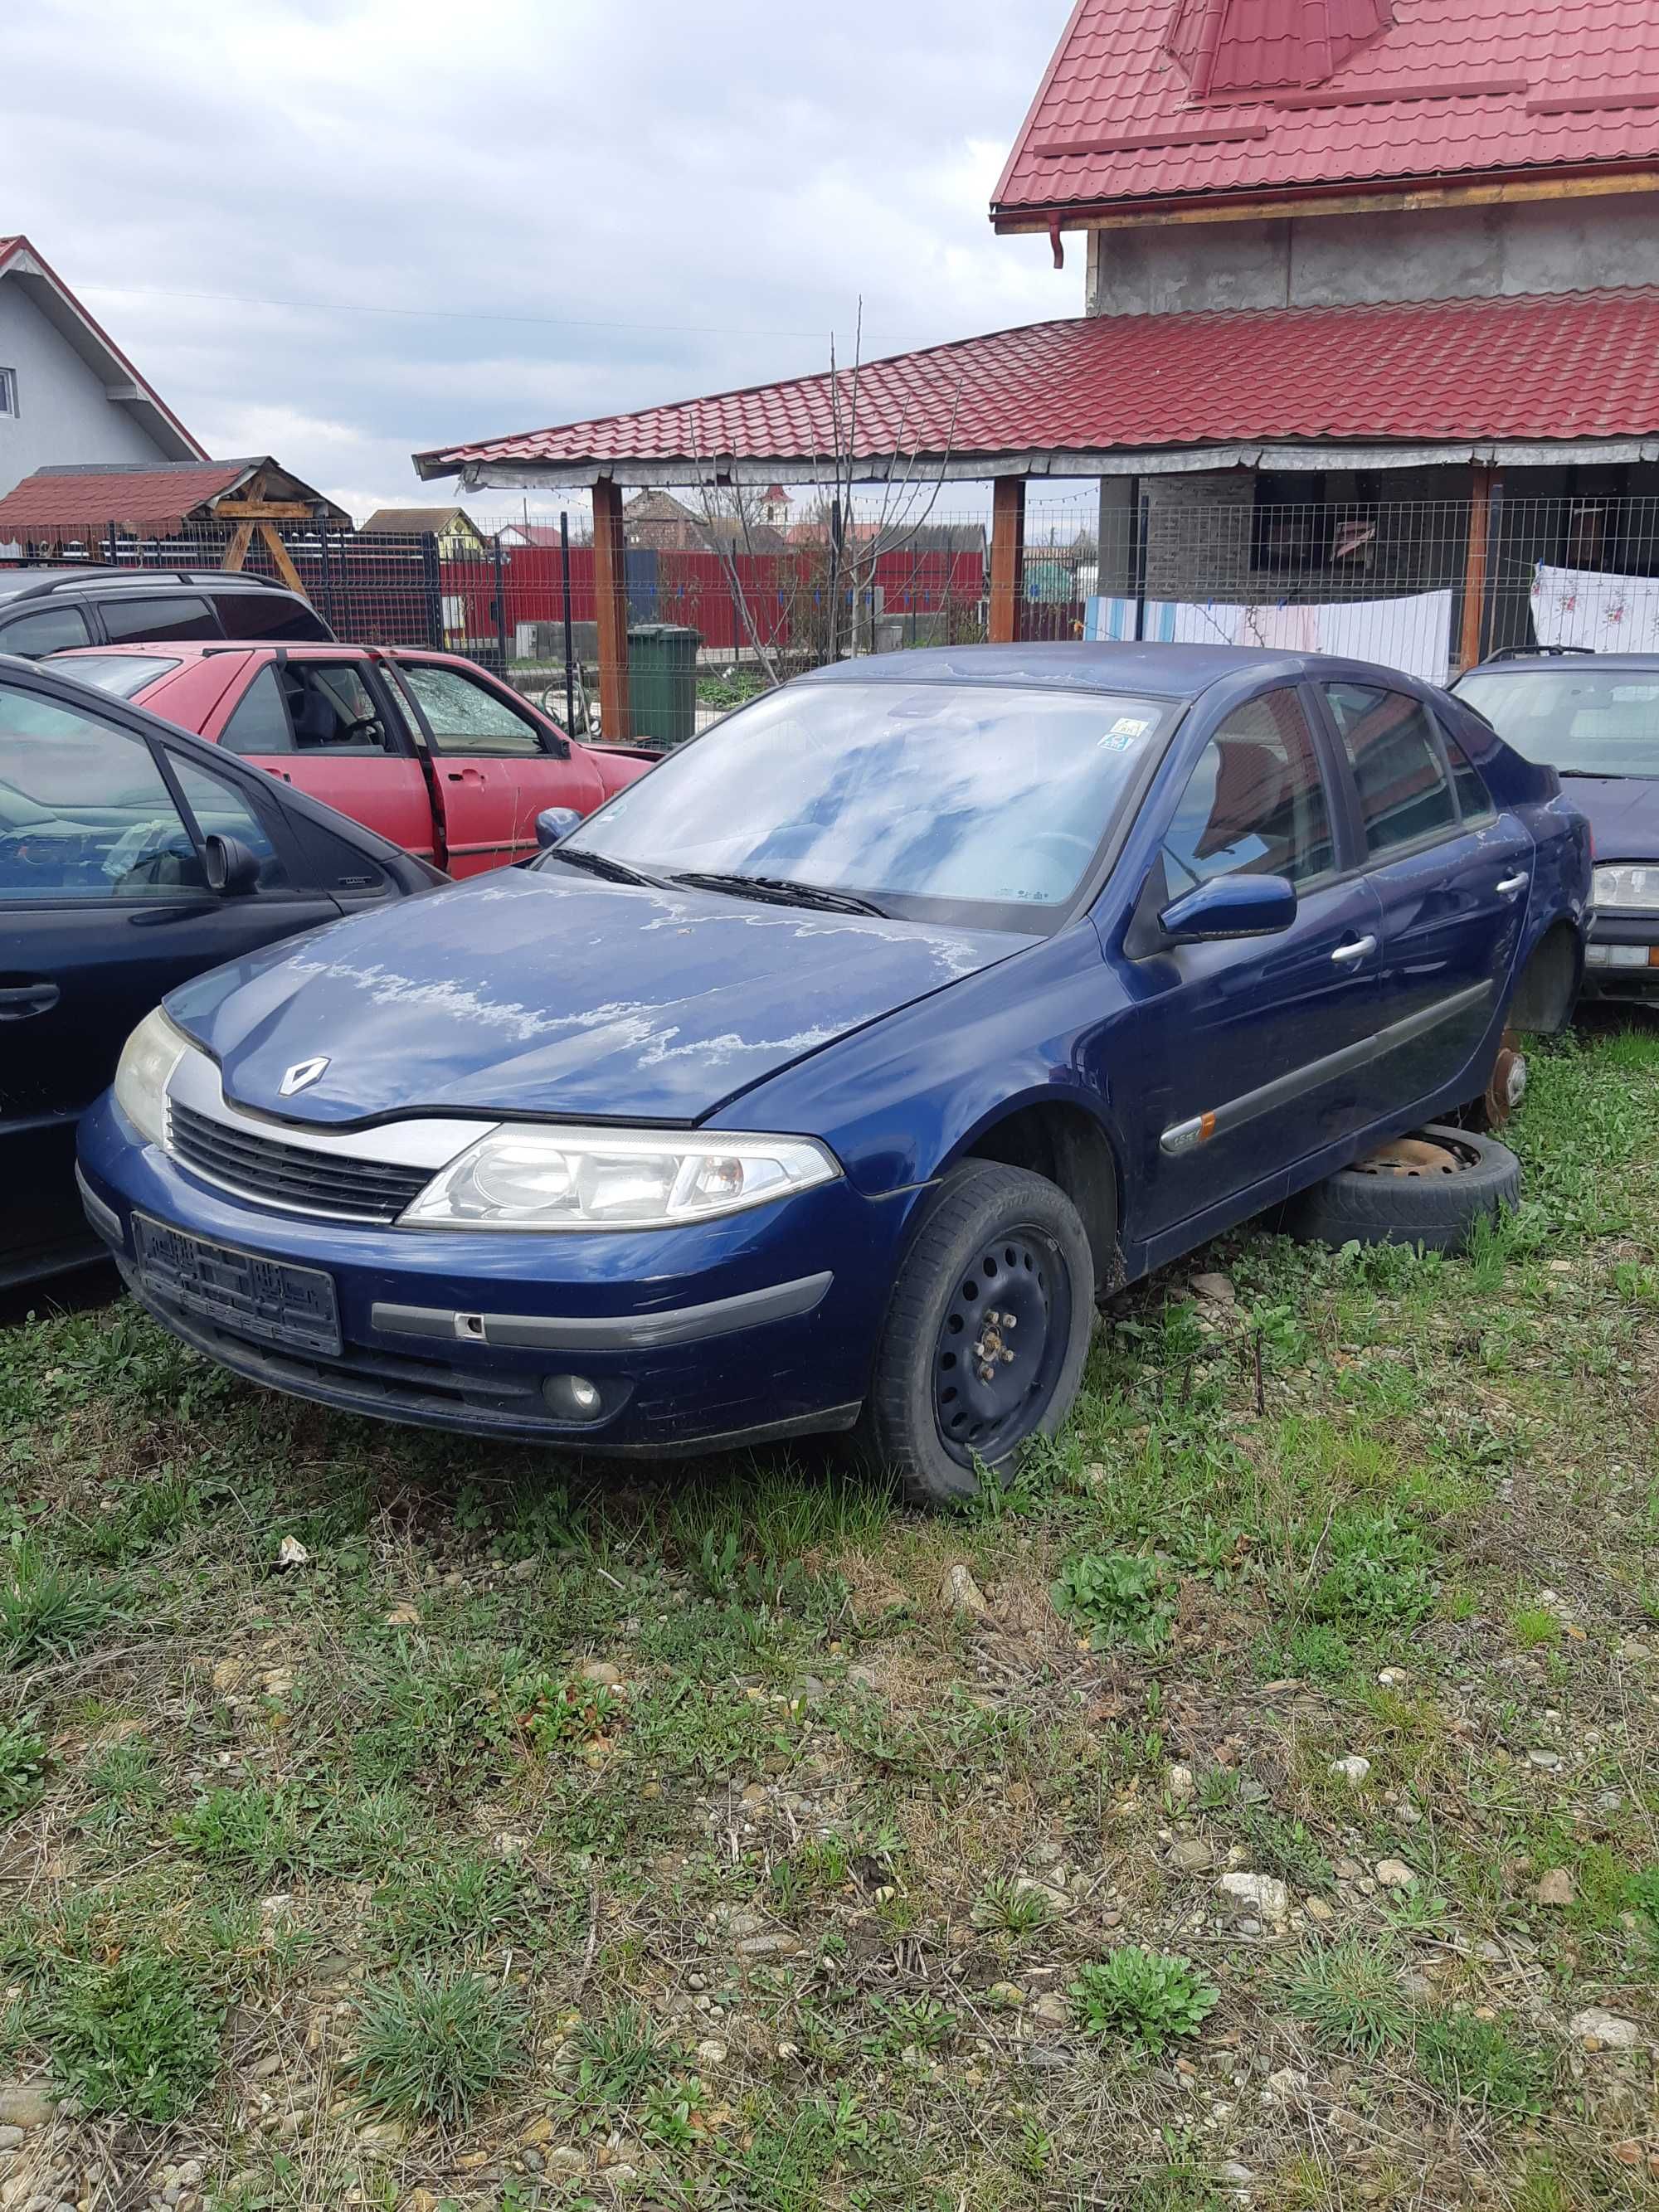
573	1397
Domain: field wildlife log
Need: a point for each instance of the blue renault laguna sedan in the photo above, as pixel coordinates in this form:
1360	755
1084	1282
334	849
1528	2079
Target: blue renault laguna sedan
826	1076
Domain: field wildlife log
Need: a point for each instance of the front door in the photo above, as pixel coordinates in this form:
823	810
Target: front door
496	764
1252	1045
1452	876
104	908
323	726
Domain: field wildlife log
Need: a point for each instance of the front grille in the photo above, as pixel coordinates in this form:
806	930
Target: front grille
272	1173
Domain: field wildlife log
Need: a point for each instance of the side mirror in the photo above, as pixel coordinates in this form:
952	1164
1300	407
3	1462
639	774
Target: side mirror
1231	906
232	871
554	824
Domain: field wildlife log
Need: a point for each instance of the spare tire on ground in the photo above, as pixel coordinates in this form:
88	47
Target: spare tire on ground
1428	1189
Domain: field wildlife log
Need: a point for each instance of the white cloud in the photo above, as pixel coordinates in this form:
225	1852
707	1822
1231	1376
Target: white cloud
590	206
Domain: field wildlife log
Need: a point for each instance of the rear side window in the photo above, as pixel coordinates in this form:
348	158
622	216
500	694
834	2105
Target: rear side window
150	621
122	675
1405	794
49	629
1473	795
260	723
271	616
1254	803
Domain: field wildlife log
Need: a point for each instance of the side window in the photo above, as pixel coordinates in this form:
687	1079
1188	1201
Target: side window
220	810
467	717
1255	803
1405	793
84	811
149	621
276	616
259	723
52	629
332	709
1472	796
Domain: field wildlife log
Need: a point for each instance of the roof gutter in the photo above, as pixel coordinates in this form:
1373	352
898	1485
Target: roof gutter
1346	195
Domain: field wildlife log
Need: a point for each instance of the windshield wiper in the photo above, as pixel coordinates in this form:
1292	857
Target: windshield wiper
1598	775
782	890
601	864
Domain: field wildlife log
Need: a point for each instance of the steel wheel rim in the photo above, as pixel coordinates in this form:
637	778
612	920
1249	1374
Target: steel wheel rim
1001	1344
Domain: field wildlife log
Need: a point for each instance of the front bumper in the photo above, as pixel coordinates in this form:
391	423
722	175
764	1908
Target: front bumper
759	1326
1621	960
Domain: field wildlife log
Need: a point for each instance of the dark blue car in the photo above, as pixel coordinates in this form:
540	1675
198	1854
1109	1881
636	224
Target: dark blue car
826	1077
1594	718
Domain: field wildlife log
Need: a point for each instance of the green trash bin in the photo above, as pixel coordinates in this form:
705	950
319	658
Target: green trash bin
662	681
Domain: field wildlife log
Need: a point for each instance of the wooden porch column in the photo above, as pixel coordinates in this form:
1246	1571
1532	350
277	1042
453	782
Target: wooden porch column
1474	572
611	589
1007	557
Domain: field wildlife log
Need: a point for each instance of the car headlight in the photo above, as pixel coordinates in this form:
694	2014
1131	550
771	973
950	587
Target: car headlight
147	1059
545	1178
1632	884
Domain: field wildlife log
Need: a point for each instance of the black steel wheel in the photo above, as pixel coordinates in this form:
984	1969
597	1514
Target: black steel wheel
1001	1345
986	1334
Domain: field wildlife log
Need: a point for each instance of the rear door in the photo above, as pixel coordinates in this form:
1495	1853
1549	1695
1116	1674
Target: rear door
496	764
104	908
1452	876
1252	1048
324	725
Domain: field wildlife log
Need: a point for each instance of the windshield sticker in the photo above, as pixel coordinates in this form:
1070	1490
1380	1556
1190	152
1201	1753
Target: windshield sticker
1125	733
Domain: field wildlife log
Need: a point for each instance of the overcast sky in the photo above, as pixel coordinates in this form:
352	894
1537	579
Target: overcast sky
582	205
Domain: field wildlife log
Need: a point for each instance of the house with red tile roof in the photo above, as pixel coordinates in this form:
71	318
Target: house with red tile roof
1370	308
68	394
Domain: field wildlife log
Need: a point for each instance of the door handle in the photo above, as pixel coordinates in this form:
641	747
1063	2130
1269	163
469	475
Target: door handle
1510	885
1345	955
19	1000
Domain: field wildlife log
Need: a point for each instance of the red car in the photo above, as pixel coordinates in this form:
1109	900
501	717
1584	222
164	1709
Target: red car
429	749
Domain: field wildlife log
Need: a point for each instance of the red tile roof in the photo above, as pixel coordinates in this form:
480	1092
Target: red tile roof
1582	365
69	502
1446	89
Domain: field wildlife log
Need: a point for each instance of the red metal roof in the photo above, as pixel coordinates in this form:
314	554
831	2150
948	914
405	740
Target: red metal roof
67	502
1446	89
1580	365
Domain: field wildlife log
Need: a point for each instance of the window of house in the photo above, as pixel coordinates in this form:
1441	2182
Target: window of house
1405	794
1254	803
7	391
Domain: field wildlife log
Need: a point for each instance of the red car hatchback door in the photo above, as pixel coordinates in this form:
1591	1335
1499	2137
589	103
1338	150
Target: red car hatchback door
323	724
496	762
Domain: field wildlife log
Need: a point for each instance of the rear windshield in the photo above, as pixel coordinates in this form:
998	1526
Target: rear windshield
122	674
1579	719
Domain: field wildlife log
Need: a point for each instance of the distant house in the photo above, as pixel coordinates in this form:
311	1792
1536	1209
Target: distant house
543	537
68	393
458	536
657	522
772	507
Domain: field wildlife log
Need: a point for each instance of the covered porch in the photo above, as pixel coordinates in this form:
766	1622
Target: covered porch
1248	464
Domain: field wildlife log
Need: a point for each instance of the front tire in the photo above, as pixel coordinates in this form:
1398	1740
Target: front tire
986	1334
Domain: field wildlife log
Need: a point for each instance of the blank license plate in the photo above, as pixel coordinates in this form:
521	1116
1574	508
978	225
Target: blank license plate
262	1299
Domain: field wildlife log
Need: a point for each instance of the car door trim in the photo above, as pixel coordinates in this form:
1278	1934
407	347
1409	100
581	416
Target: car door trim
1250	1105
608	1332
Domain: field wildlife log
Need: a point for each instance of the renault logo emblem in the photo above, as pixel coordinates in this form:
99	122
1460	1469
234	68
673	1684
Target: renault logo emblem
303	1072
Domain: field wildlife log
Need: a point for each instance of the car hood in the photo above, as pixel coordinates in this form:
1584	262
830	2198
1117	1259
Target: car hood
552	993
1623	812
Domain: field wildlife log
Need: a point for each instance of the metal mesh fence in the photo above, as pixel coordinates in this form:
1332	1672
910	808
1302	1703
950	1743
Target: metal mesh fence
1409	583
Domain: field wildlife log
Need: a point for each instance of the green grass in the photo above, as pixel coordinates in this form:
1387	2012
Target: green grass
434	2047
836	1902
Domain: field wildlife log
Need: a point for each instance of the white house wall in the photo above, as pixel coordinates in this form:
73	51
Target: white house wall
62	415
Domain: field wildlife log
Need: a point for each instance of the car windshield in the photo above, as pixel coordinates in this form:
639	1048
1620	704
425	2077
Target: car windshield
120	674
1582	719
944	794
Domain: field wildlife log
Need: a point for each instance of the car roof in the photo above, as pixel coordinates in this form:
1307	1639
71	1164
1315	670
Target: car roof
45	583
1168	671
